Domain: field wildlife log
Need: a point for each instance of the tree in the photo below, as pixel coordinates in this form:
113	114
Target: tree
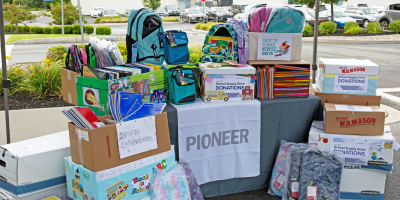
17	14
35	3
56	2
311	4
71	13
152	4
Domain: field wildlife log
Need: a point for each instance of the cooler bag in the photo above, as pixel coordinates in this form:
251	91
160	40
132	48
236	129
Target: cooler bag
181	93
92	93
178	54
285	20
196	72
213	53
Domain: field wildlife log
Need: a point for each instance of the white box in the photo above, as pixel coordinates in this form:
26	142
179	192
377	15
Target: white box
33	165
226	84
59	192
362	184
379	152
347	76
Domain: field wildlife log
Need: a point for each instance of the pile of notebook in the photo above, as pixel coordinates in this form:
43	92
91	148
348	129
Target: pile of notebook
115	72
291	81
264	82
126	106
83	117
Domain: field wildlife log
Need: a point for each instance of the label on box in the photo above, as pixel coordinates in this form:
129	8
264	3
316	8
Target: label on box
295	189
353	108
280	181
274	47
311	192
350	83
229	86
83	135
355	149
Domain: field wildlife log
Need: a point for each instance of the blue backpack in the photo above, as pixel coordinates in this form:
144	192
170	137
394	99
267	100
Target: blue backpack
179	93
144	29
285	20
178	54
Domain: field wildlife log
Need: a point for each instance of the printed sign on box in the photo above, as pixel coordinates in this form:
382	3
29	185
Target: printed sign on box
351	83
274	47
354	148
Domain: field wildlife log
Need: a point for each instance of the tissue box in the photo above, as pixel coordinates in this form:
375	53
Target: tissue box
379	151
347	76
128	181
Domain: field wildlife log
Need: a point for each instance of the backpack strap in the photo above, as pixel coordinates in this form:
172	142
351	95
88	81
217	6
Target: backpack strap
67	59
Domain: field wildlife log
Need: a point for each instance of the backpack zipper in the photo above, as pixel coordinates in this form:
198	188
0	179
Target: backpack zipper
133	21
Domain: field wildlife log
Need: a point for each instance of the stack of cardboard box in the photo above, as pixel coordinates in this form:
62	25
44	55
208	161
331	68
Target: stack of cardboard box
354	124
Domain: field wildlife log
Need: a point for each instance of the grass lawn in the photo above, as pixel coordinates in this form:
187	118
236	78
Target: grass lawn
17	37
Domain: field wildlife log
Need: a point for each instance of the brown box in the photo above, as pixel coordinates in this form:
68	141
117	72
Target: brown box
349	99
354	120
68	85
97	149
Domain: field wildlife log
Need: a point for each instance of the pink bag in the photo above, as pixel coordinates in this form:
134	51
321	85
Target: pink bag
258	19
83	56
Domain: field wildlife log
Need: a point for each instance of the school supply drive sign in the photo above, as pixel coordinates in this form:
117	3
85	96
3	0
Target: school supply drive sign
274	47
220	141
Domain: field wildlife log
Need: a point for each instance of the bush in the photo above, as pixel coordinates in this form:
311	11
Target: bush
195	52
198	26
47	30
18	77
7	27
68	30
89	30
32	29
349	25
374	28
12	28
327	27
122	48
38	30
98	20
27	29
117	17
77	29
20	29
394	26
169	19
55	53
308	31
57	29
45	78
103	30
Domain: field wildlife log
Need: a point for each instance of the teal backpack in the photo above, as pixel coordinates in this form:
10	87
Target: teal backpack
144	29
179	93
210	54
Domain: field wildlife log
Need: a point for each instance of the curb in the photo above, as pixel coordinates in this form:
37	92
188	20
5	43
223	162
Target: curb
63	40
393	115
199	31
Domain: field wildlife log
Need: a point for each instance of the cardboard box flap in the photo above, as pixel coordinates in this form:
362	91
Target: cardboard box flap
349	66
228	70
353	108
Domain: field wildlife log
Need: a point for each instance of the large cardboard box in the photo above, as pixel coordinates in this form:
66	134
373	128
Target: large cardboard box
349	99
59	192
379	153
34	165
354	120
347	76
278	43
227	84
68	85
128	181
97	149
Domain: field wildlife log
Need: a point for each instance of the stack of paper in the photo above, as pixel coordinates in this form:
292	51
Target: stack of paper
264	82
83	117
291	81
126	106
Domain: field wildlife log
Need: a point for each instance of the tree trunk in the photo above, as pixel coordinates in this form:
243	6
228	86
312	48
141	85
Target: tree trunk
332	17
16	27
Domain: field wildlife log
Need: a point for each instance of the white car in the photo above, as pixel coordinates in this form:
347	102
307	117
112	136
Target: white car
340	18
109	13
96	11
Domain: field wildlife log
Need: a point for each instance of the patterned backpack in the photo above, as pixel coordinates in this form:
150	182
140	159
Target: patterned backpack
243	39
220	53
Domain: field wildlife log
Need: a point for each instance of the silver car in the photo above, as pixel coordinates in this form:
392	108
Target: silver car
109	13
390	13
193	15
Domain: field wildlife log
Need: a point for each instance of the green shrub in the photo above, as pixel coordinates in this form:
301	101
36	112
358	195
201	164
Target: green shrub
68	30
27	29
394	26
7	27
12	28
195	52
198	26
45	78
47	30
327	27
308	31
20	29
55	53
117	17
103	30
57	29
32	29
77	29
89	30
18	77
374	28
38	30
349	25
98	20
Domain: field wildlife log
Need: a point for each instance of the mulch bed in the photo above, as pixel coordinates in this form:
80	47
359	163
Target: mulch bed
19	101
340	32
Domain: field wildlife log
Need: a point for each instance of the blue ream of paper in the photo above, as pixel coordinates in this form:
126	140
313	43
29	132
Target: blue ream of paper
134	52
129	102
147	109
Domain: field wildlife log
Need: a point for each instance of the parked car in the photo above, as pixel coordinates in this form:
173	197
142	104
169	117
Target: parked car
128	11
340	18
161	12
322	7
298	7
248	8
237	8
240	17
378	9
109	13
363	16
390	13
172	10
349	5
204	10
96	11
192	7
310	18
219	14
193	15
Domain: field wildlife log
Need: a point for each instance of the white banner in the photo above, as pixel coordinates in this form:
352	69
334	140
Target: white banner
355	149
220	140
274	47
350	83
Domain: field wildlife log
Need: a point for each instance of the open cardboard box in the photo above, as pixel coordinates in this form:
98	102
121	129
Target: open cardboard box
68	85
97	149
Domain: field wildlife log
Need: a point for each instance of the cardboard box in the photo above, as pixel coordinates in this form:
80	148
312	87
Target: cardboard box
347	76
362	184
379	152
59	192
68	85
33	165
97	149
128	181
354	120
293	48
227	84
349	99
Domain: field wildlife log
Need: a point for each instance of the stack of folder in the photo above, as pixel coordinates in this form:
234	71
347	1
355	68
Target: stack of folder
291	81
